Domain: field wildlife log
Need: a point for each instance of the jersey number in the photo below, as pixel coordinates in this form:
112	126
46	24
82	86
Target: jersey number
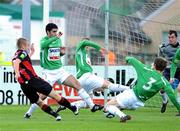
148	85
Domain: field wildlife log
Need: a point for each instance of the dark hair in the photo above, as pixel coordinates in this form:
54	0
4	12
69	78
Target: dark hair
160	63
51	26
20	41
85	38
173	32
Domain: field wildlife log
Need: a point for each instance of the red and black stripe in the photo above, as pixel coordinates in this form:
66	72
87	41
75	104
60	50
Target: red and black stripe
25	68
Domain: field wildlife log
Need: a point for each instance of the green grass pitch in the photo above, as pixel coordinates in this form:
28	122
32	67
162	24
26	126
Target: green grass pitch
143	119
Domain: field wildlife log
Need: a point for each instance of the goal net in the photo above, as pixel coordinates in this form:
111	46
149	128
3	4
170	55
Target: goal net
136	28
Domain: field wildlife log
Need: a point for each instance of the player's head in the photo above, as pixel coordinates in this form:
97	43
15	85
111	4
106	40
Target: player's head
86	38
51	29
172	37
22	44
160	64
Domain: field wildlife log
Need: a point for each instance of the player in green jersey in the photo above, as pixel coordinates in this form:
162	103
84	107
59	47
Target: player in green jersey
50	59
88	80
173	68
149	82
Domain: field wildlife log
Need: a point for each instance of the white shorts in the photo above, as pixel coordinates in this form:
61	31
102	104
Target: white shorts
128	100
90	82
52	76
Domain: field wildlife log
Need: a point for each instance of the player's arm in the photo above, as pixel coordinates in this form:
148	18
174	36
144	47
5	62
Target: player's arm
47	42
32	50
16	63
174	63
17	60
161	50
134	62
91	44
62	51
170	93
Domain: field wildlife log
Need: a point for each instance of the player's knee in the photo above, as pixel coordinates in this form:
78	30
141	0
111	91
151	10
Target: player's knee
43	97
76	85
55	95
39	102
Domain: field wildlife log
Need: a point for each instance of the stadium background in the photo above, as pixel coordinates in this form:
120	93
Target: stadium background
136	28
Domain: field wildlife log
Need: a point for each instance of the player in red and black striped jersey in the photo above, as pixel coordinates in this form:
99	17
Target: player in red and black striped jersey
31	84
25	68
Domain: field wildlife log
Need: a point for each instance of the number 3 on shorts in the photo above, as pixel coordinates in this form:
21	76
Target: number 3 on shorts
148	85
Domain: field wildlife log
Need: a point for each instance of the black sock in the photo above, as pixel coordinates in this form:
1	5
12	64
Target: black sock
66	103
48	110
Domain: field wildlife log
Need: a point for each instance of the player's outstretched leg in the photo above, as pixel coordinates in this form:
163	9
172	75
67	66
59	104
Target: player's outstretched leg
64	102
163	107
96	107
33	107
113	110
125	118
80	104
72	82
48	110
60	108
30	111
164	101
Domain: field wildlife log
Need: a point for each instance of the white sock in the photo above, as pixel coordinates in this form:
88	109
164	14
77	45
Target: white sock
80	104
32	108
117	87
84	95
178	97
115	111
164	97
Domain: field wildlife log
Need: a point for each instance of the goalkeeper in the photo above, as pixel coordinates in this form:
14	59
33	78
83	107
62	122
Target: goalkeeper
168	52
149	82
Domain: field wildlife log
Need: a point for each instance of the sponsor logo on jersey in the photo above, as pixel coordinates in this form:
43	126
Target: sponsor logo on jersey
54	54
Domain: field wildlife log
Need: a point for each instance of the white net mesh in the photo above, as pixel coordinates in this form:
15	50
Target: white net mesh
137	28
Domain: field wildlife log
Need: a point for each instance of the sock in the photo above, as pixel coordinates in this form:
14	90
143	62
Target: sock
66	103
178	97
117	87
80	104
32	108
115	111
48	110
84	95
164	97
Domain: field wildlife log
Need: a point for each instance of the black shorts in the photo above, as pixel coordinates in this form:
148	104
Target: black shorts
34	86
166	73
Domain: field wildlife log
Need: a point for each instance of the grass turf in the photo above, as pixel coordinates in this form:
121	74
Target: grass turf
143	119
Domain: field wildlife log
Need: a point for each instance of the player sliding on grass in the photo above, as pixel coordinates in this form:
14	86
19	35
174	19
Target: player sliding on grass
31	84
85	75
50	58
149	82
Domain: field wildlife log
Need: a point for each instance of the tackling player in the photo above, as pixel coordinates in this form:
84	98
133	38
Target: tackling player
149	82
31	84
